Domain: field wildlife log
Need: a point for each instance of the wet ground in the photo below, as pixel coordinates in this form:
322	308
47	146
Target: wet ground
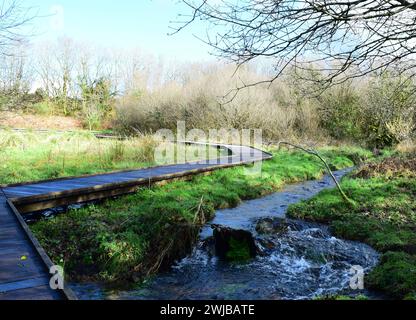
303	262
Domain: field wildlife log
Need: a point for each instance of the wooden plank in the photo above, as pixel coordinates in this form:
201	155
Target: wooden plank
67	293
20	260
24	284
14	268
36	293
32	206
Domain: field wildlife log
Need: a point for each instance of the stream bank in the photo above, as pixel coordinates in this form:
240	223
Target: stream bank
125	239
301	261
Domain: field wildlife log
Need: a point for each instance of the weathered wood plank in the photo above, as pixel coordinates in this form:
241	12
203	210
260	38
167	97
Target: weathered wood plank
35	293
19	260
24	284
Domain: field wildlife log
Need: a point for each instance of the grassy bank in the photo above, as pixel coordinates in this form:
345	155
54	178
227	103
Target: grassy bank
385	218
138	235
40	156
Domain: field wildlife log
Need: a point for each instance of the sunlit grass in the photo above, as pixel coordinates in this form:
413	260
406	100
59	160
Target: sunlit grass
38	156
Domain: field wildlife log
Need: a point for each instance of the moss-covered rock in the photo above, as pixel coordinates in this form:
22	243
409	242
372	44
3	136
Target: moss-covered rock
234	245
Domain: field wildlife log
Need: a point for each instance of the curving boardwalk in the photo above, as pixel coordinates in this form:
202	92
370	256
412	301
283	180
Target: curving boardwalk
24	266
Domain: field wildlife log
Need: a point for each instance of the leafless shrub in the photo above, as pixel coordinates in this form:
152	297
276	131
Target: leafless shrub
202	103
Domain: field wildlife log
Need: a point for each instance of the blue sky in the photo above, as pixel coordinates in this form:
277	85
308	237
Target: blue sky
122	24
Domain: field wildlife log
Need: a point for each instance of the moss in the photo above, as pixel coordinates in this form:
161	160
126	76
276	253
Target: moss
353	155
239	250
395	274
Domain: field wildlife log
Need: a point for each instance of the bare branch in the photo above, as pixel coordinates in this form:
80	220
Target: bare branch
341	40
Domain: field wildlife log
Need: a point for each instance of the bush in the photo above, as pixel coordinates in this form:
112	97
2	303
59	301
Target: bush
43	108
340	112
203	103
379	111
388	110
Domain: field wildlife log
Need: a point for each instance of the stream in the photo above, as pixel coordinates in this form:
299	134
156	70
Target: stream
303	262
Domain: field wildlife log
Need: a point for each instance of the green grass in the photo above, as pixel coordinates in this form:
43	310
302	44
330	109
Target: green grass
385	218
33	156
130	236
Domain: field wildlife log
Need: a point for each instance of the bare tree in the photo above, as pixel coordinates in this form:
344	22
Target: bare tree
55	63
341	39
14	75
44	67
14	21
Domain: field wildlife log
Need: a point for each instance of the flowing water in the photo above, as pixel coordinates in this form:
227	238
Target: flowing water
303	262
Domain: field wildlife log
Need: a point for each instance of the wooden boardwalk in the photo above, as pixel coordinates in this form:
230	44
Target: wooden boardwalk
24	266
23	273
